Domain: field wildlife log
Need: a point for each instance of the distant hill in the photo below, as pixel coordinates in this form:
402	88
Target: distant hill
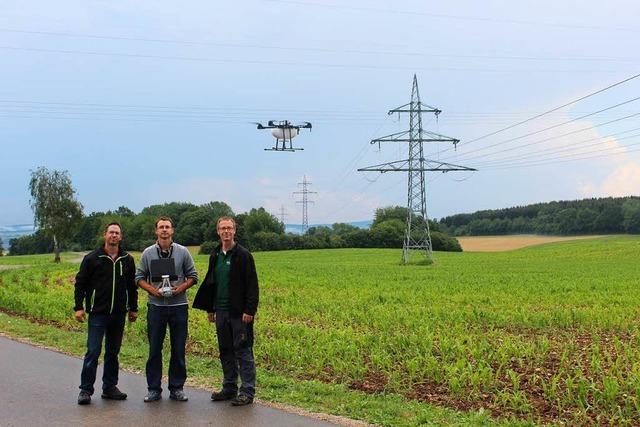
8	232
297	228
609	215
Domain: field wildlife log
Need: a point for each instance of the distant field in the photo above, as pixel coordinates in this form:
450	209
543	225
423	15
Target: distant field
545	334
509	243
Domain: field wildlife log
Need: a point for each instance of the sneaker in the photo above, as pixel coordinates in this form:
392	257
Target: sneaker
113	393
84	398
242	400
153	396
178	395
218	396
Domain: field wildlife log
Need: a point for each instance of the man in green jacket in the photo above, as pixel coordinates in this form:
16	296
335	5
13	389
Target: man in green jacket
229	294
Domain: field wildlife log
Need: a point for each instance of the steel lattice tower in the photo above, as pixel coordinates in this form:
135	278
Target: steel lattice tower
305	201
283	214
417	236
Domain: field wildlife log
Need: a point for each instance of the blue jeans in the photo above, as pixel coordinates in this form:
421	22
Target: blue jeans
111	328
235	342
158	318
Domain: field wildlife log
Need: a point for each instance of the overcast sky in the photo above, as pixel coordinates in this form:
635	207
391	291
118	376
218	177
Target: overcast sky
151	101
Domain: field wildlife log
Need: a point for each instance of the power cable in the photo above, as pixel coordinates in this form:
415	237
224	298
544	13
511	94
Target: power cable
569	157
310	49
287	63
452	17
573	152
564	161
582	98
552	138
552	127
575	145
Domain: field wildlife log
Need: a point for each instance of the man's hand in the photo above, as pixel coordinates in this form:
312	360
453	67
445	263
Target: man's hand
79	315
183	286
133	315
151	290
247	318
180	288
211	317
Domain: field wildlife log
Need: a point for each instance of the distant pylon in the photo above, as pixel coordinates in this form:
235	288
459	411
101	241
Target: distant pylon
283	214
417	235
305	201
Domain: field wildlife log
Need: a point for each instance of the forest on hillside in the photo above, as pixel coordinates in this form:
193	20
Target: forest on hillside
610	215
257	229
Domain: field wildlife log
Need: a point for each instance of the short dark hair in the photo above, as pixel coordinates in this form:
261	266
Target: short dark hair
164	218
113	223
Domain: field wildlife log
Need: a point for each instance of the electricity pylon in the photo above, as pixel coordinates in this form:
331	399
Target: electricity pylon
305	201
417	236
283	214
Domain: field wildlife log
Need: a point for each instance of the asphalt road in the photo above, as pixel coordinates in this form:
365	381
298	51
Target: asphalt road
40	387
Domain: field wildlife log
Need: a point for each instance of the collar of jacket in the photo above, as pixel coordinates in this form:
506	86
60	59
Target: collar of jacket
219	248
121	252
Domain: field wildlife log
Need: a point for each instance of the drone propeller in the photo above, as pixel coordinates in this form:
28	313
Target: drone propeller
259	125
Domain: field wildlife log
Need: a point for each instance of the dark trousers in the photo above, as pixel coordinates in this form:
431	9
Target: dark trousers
235	342
111	328
158	318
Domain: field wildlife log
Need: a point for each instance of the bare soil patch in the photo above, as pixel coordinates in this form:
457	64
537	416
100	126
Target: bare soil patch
510	243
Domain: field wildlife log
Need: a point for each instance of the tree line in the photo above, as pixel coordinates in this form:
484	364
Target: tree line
61	224
607	215
257	229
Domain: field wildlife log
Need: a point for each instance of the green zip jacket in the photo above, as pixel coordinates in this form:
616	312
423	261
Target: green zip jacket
105	285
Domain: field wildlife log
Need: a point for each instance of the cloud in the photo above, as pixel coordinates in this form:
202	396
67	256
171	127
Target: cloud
623	181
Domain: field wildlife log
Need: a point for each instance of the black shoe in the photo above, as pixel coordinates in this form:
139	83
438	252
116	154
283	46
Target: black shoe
113	393
218	396
153	396
178	395
84	398
242	400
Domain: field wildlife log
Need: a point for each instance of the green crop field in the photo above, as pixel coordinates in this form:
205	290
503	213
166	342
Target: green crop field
547	334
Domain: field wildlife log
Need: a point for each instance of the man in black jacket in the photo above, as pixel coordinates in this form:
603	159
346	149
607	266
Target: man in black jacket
105	285
229	294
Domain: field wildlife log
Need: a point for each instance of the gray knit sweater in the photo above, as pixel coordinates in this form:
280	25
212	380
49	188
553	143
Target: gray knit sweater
185	268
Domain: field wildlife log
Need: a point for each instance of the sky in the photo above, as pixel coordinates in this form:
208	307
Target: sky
150	102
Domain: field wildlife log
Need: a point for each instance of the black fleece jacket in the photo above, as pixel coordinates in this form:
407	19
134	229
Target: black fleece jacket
105	285
243	284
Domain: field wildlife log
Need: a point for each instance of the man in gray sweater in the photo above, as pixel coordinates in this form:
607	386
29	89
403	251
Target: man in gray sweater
166	271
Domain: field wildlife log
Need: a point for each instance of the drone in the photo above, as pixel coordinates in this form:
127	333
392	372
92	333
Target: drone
284	132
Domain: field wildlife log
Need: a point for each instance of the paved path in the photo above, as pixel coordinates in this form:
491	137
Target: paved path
40	387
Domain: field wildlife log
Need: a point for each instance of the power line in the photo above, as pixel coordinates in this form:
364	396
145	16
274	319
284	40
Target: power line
577	144
523	159
230	110
553	109
289	63
94	104
311	49
552	127
569	160
453	17
555	137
